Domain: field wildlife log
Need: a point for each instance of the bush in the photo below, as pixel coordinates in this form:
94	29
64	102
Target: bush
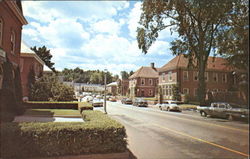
99	134
50	105
84	106
48	88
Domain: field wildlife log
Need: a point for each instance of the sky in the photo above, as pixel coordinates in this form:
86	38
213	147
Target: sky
92	35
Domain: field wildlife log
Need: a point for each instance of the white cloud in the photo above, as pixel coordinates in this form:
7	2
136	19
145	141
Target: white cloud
89	34
159	48
107	26
36	10
133	19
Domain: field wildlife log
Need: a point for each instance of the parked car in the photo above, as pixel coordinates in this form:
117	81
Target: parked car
126	101
97	102
140	102
112	99
224	110
170	105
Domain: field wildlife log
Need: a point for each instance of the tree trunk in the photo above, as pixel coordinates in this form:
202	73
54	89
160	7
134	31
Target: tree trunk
202	84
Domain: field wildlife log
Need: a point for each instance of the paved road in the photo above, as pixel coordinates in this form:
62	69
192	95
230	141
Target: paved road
154	134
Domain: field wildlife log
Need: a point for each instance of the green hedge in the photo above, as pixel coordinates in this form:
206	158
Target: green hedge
99	134
50	105
84	106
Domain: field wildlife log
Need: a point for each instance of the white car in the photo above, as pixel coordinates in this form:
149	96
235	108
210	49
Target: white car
170	105
97	102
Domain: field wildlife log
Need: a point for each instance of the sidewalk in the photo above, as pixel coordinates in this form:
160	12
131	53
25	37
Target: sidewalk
47	119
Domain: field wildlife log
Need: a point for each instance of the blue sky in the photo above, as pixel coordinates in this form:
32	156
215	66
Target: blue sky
92	34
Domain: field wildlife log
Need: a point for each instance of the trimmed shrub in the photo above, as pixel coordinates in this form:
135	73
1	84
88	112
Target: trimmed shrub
99	134
50	105
84	106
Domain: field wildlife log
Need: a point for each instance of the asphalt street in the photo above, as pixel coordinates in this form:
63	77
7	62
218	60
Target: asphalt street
155	134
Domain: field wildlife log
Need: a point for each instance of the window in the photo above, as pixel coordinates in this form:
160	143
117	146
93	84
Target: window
142	81
224	78
1	31
195	92
12	41
170	76
215	77
206	76
150	81
170	90
163	76
195	74
185	90
185	75
150	92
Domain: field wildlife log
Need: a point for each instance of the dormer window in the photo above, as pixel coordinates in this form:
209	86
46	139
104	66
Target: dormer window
12	42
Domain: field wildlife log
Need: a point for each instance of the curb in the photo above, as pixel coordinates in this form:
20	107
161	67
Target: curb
123	155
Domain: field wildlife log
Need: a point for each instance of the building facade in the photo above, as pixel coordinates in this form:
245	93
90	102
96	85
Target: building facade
143	83
123	86
112	88
218	77
11	22
30	63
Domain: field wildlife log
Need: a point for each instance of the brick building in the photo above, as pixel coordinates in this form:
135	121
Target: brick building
143	83
11	22
123	86
30	62
219	77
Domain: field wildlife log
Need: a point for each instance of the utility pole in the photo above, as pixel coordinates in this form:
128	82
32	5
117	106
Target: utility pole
105	87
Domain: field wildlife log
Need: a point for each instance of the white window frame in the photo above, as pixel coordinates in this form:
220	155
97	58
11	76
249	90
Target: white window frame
184	75
215	75
143	81
13	40
187	90
1	31
224	75
163	77
150	92
170	76
195	74
150	82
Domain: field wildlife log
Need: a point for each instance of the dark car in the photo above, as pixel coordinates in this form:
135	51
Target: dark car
140	102
126	101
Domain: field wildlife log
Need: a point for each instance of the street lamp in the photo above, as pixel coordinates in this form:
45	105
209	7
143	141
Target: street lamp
105	87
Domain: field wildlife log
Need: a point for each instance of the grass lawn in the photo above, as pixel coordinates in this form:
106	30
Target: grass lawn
52	112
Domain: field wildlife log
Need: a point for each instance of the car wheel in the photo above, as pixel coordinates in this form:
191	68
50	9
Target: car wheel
230	117
203	113
160	107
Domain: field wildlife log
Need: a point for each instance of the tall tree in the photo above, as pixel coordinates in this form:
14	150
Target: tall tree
45	55
124	75
234	42
131	72
198	23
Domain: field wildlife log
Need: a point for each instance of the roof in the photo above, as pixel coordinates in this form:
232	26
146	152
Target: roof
27	52
213	63
112	84
145	72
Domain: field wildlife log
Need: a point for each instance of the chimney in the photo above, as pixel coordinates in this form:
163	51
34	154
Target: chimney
152	65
